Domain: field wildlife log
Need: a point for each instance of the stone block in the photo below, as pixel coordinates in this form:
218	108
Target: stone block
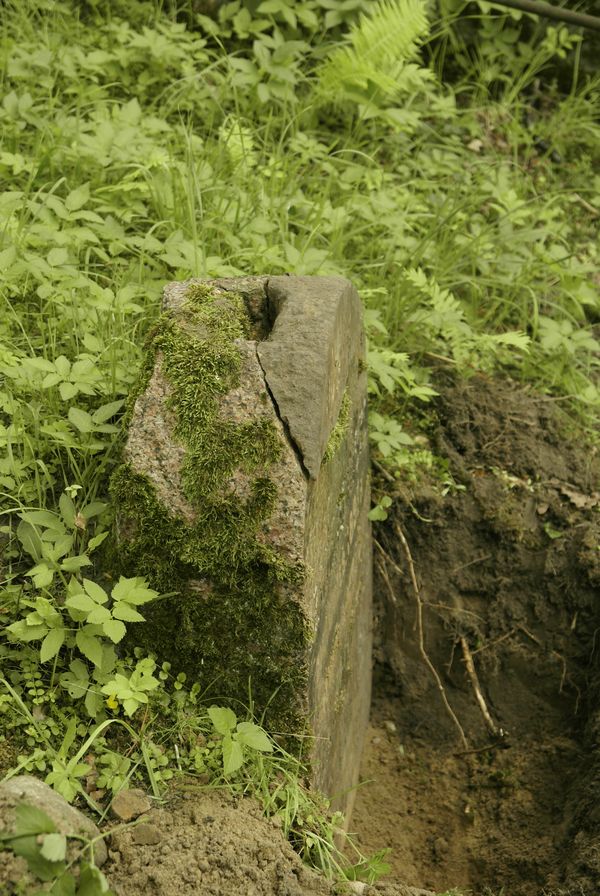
244	489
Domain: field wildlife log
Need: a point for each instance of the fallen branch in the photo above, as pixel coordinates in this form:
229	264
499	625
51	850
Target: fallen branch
420	634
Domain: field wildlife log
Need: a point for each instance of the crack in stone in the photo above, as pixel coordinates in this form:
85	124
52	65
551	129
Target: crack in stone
284	424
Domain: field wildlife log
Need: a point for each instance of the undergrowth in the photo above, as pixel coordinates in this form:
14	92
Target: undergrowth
143	143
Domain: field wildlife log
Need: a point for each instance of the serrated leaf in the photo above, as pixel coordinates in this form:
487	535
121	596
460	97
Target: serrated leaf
98	616
254	737
233	755
81	602
223	718
114	630
54	847
23	632
124	611
81	420
95	591
90	646
133	591
42	575
50	646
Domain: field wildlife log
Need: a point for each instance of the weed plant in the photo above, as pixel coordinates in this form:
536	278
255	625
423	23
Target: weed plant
147	142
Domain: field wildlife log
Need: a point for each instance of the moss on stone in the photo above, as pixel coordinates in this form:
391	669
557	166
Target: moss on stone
230	625
336	437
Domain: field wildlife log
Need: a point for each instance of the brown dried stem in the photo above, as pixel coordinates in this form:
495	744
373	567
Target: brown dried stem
421	636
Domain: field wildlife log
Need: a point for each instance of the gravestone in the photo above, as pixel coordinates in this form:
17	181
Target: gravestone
244	494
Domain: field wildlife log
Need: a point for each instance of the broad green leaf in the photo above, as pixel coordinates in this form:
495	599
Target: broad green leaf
42	575
68	391
54	847
57	256
133	591
90	646
51	379
50	646
95	591
223	718
81	602
63	366
99	615
72	564
107	411
28	848
43	519
81	420
92	343
124	611
31	820
62	886
23	632
77	198
96	541
233	755
62	546
67	509
255	737
30	539
95	508
114	630
92	882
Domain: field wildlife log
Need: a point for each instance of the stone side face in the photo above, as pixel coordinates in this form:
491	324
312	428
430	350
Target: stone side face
284	597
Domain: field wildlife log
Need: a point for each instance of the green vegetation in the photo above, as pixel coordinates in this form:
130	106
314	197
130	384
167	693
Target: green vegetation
143	143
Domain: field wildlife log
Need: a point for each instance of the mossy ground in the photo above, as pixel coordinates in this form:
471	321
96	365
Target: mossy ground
230	625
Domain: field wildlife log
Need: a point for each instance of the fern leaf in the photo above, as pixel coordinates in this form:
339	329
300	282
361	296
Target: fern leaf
379	46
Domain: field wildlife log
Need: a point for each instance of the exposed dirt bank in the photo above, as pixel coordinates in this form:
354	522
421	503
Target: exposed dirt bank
508	573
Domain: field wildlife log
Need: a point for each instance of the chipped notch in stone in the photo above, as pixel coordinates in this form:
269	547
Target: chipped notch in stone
252	289
306	357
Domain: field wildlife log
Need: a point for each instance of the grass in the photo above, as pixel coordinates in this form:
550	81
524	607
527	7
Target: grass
141	145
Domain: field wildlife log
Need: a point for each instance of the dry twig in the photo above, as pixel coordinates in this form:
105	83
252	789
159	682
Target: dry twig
472	672
420	634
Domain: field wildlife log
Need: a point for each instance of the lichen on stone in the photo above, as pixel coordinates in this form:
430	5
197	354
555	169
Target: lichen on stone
232	624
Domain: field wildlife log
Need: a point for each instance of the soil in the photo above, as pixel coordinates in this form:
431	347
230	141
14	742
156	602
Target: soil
508	573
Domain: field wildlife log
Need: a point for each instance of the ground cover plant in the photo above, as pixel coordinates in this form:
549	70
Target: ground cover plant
143	143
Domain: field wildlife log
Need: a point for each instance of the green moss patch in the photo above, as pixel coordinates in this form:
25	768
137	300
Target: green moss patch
336	437
230	626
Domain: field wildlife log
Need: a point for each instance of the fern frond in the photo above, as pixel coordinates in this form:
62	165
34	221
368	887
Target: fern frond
379	45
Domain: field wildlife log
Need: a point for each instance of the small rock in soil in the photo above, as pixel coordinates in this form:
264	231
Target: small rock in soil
146	835
130	804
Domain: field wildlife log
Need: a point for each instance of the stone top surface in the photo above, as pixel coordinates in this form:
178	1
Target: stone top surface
315	335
